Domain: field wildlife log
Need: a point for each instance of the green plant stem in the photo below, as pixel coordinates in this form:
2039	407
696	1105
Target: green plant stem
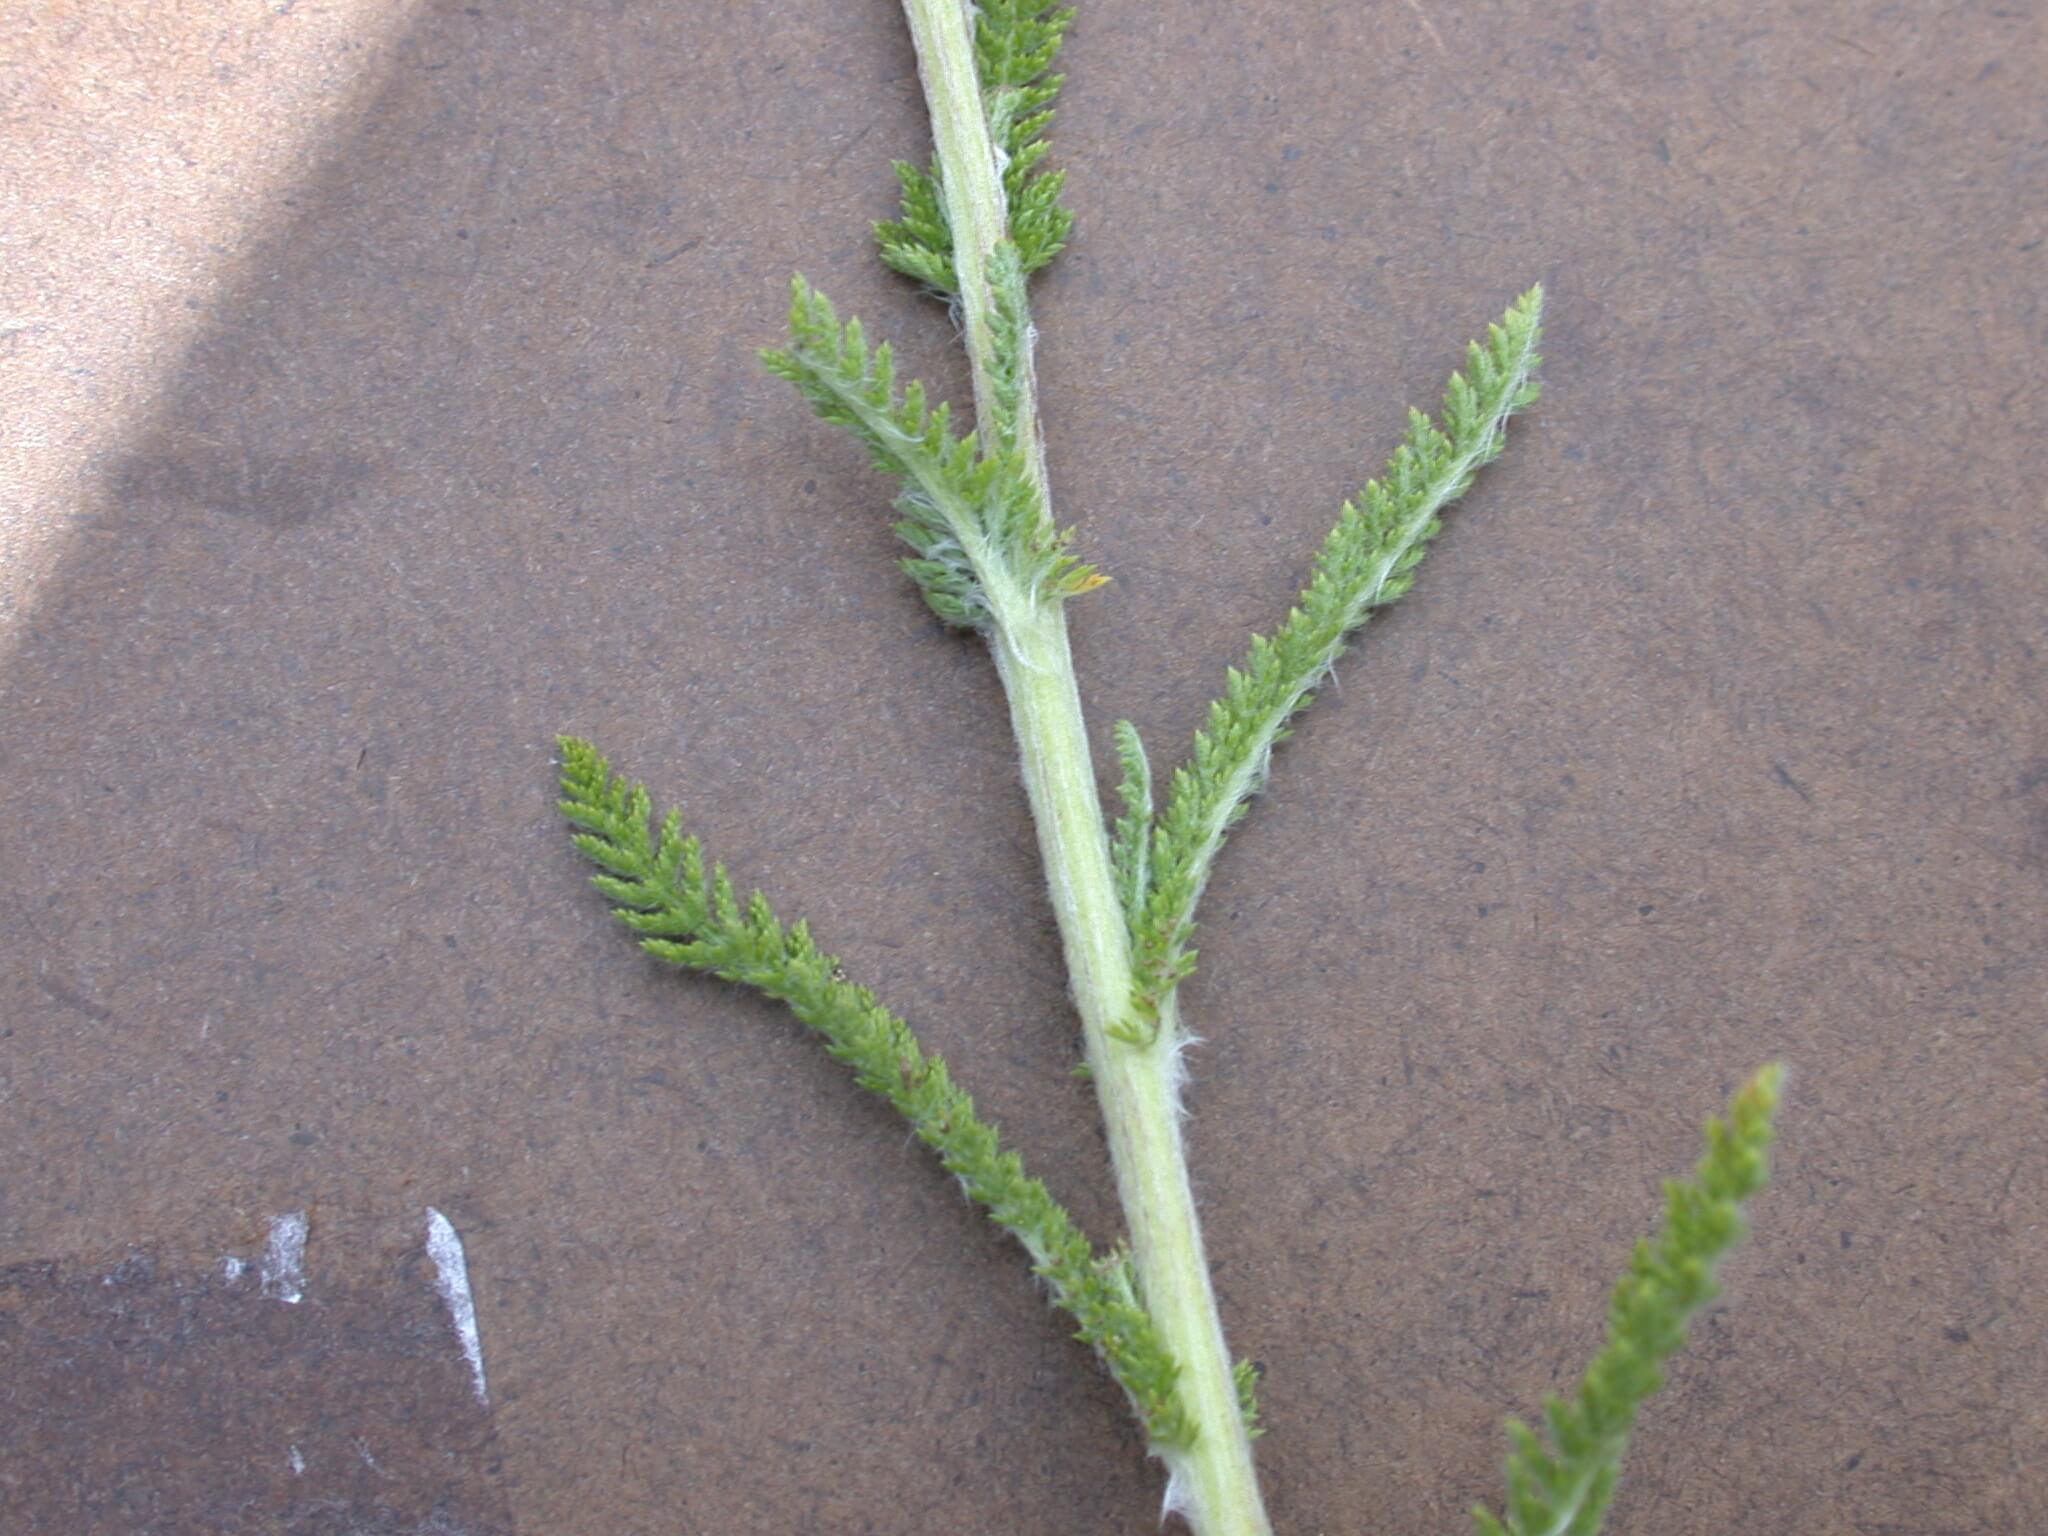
976	210
1136	1083
1136	1077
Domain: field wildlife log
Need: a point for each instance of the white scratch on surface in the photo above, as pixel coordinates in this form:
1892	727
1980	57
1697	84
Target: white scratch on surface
231	1269
298	1463
284	1258
451	1279
1423	17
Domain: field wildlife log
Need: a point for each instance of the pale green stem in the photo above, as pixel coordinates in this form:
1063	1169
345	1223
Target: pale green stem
1213	1480
977	210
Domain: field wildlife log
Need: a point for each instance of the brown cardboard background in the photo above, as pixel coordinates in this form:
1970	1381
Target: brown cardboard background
1712	733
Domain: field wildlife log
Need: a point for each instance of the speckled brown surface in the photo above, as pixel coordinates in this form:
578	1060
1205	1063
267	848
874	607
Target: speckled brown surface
144	1398
1712	733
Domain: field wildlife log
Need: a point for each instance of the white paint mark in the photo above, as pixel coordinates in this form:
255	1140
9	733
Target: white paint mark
284	1258
451	1279
231	1269
298	1463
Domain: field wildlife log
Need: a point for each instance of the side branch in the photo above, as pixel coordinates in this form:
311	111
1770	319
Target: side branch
1563	1488
1367	561
1212	1479
659	888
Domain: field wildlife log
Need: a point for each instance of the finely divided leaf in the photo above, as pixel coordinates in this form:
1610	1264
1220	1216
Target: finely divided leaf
1015	42
657	884
851	386
1130	849
983	540
919	244
1245	1375
1562	1488
1011	342
1367	561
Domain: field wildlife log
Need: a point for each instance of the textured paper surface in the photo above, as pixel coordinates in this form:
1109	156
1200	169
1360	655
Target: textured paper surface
1712	733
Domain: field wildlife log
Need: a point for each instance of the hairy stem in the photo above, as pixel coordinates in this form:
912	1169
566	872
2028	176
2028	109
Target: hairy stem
1135	1073
976	210
1136	1077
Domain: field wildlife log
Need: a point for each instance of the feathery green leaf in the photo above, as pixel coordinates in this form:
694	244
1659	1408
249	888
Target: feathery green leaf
1367	561
984	544
1015	42
1131	847
1246	1376
656	882
1010	365
847	384
1562	1488
919	243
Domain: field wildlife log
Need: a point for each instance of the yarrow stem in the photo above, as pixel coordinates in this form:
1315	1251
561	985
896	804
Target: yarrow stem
989	558
976	209
1213	1480
1135	1072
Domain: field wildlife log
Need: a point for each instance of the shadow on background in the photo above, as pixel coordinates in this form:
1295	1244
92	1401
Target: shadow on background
1712	735
471	456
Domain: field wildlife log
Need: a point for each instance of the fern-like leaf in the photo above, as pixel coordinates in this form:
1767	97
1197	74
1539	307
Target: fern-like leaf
1367	561
854	387
1562	1487
1245	1375
1131	848
1011	343
1015	42
658	886
919	242
983	542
